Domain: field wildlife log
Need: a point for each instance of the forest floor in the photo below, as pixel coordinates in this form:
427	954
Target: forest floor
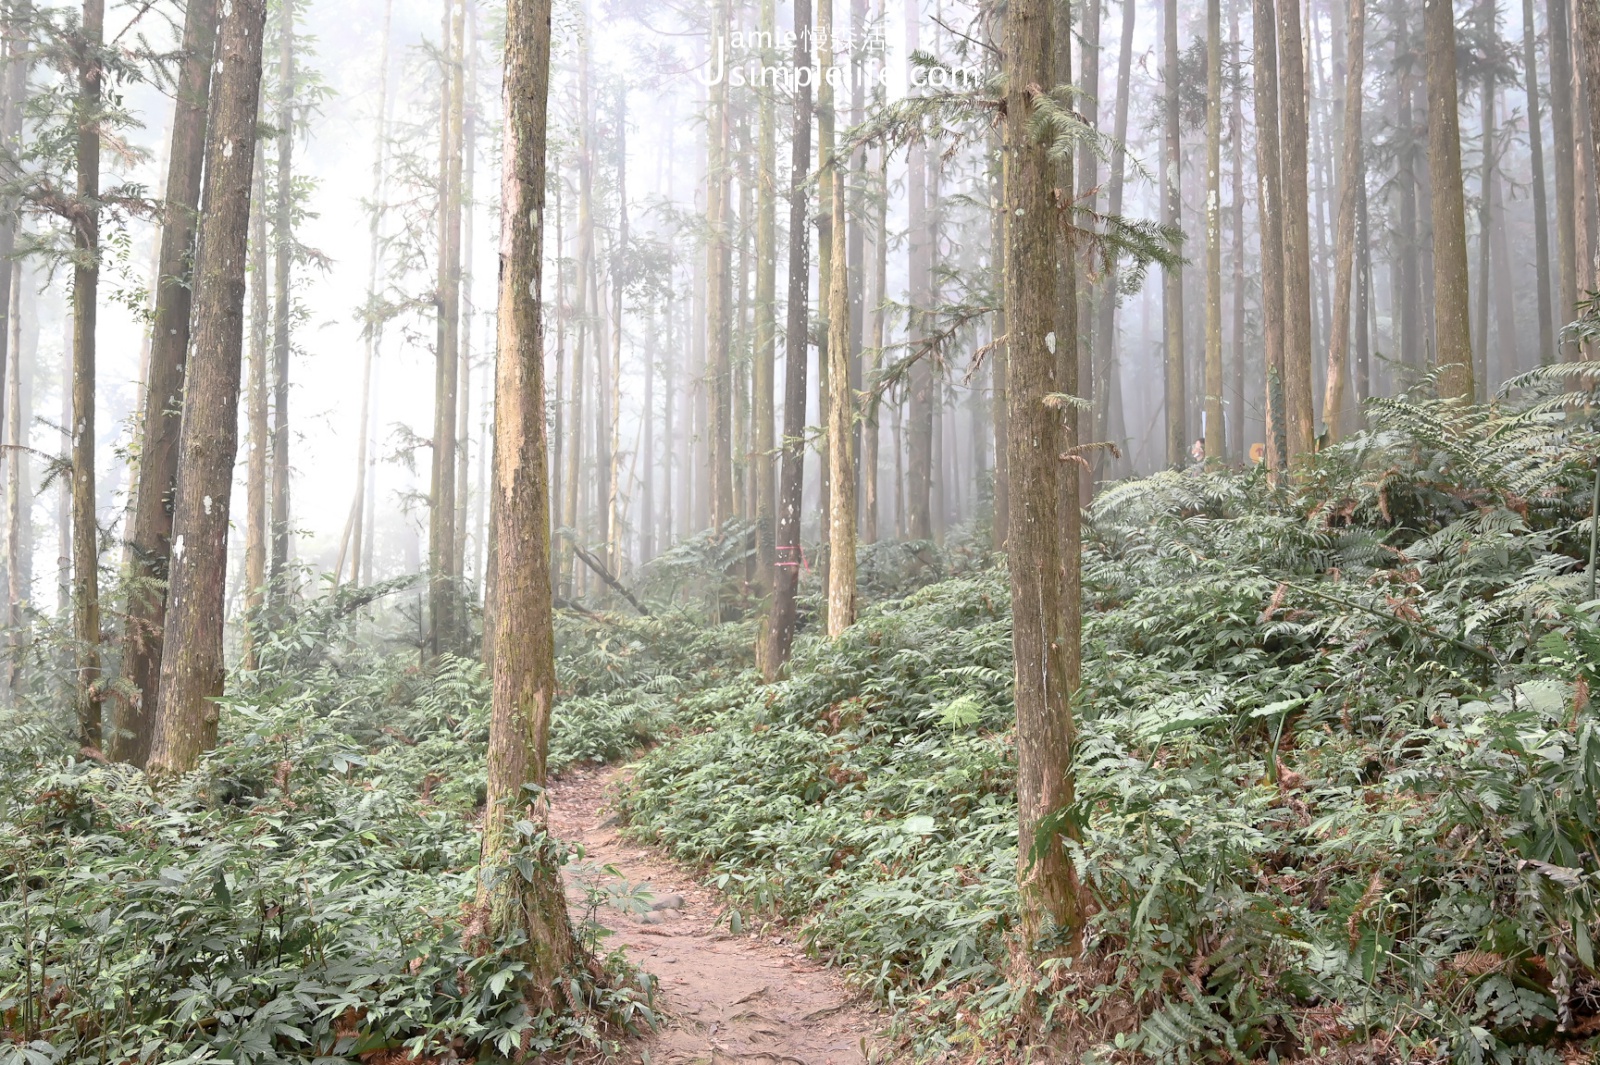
724	998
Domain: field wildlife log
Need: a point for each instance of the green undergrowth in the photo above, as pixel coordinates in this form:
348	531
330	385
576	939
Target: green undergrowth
306	894
1337	769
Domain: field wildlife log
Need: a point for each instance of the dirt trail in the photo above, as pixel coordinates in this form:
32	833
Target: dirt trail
727	999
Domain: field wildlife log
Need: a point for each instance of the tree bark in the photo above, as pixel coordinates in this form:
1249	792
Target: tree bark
1299	414
526	898
1541	210
1045	625
1111	416
191	658
443	591
841	417
85	285
255	542
1563	133
781	619
1451	299
766	333
283	264
719	287
919	458
1236	436
1480	326
1269	205
1215	438
1336	411
169	344
1172	215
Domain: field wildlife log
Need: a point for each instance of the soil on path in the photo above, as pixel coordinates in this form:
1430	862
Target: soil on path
725	999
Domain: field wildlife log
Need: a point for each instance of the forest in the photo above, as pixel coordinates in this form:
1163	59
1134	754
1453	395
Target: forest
795	532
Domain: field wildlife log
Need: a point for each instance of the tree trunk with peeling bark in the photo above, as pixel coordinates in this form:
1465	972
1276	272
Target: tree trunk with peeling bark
1338	413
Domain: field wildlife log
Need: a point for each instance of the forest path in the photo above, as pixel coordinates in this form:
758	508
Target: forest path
726	999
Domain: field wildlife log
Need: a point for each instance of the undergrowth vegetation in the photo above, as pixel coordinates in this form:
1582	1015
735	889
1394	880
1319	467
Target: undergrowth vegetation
1338	778
1338	769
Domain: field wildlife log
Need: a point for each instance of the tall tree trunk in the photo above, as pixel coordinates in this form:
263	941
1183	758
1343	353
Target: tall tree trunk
825	234
1541	215
1215	438
255	540
1480	327
151	539
85	285
1111	416
872	402
1269	206
841	405
526	900
1299	414
1451	300
466	152
1087	170
1408	285
1177	435
1336	411
766	332
719	286
1541	211
1563	135
191	658
1588	53
781	619
1236	446
283	251
373	326
919	460
443	591
19	498
1044	624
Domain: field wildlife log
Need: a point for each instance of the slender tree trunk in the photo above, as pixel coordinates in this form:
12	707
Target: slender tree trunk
1336	411
151	539
443	591
191	659
1236	447
1541	211
283	250
612	501
1087	170
1177	435
919	459
872	402
781	619
85	284
13	92
466	151
1111	426
19	499
841	412
719	286
1588	53
1408	281
373	324
1451	300
1215	438
766	332
1563	134
1270	207
1480	328
1299	415
526	900
255	541
1045	625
